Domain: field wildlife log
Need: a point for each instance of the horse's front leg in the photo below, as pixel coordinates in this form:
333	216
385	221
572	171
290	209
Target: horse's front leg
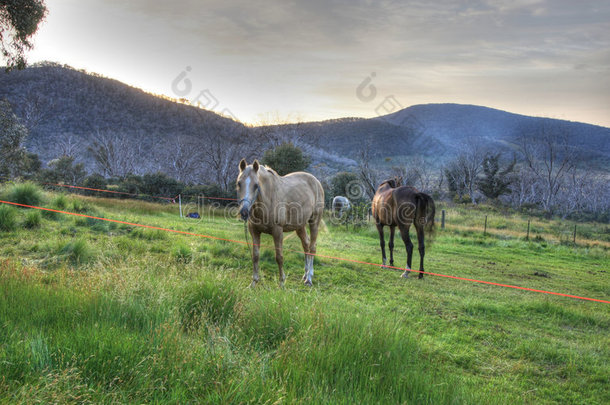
256	244
278	240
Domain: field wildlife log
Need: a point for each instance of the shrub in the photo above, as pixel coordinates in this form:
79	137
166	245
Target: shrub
24	193
94	181
7	218
286	158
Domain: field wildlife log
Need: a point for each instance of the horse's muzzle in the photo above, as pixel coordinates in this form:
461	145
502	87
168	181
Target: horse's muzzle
244	212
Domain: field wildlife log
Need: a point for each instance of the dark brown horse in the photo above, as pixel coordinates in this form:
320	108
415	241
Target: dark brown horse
395	205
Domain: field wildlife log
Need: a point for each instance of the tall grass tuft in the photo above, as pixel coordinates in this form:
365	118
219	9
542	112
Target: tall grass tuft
32	220
7	218
77	252
207	301
182	253
60	202
265	321
24	193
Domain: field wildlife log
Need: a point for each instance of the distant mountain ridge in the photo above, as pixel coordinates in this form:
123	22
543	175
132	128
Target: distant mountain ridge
438	130
57	102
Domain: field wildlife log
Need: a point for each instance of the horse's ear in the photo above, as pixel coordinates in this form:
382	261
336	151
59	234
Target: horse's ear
255	166
242	165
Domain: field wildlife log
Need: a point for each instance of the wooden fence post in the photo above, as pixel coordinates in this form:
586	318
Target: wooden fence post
574	238
443	219
527	237
485	229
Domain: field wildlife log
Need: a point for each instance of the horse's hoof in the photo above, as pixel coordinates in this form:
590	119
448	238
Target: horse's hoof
308	283
405	274
253	284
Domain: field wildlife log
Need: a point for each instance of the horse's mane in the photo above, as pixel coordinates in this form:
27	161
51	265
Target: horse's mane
270	170
391	182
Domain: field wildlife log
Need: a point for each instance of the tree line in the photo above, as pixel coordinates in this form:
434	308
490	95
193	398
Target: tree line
544	173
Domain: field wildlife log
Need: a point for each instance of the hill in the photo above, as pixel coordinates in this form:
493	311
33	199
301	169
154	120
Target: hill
436	131
68	110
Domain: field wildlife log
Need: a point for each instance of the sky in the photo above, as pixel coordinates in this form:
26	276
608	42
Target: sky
280	60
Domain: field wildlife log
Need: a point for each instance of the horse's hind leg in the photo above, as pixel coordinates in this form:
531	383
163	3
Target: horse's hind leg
381	242
421	247
314	225
302	233
391	244
404	233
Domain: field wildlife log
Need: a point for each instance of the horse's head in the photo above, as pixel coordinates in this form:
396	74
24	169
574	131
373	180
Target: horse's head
248	187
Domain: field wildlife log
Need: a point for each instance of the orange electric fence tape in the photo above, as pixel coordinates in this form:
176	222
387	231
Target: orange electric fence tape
316	254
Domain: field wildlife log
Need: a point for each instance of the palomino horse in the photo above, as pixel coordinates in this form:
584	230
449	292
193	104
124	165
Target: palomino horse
275	204
395	205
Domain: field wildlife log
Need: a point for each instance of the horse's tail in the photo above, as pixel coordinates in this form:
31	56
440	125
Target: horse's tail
426	211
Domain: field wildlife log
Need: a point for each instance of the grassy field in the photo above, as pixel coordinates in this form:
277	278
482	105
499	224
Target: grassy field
94	311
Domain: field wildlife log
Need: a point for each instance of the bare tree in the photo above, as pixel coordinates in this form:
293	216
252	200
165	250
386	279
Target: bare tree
223	150
368	175
463	171
549	158
12	136
184	158
69	145
524	189
584	192
114	154
418	174
472	154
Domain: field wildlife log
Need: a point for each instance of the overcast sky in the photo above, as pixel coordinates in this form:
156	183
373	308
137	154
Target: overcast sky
259	60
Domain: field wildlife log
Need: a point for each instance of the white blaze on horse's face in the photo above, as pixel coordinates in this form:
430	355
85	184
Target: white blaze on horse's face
247	187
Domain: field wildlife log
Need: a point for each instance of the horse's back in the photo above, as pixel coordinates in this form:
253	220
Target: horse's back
304	184
304	192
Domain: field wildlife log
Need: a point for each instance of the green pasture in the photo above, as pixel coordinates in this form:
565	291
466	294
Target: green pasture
94	311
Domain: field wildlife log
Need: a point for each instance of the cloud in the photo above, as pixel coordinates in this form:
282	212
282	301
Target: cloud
254	53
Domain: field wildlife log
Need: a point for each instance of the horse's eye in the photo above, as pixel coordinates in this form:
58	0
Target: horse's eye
255	186
238	186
